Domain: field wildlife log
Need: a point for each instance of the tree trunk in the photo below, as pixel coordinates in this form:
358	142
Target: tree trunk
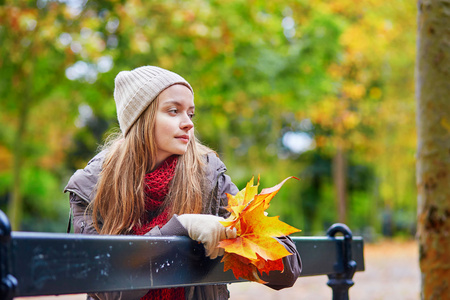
340	182
15	204
433	148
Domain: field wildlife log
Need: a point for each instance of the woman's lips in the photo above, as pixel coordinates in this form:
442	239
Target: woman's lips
184	138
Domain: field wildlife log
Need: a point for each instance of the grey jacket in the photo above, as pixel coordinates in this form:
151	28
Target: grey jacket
82	190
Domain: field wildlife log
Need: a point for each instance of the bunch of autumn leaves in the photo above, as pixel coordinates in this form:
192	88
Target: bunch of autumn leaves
255	247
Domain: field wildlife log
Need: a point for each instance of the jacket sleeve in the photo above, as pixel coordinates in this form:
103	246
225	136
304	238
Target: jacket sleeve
172	228
82	219
292	267
219	184
225	186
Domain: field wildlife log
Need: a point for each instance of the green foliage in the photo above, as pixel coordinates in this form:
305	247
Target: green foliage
259	70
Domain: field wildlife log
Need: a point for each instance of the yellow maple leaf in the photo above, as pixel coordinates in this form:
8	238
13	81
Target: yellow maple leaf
255	250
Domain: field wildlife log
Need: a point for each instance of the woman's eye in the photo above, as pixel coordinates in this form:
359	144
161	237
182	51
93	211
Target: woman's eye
191	115
173	111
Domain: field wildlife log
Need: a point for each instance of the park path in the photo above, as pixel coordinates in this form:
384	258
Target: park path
392	272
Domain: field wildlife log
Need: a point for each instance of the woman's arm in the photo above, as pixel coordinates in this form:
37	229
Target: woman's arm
292	267
82	219
219	184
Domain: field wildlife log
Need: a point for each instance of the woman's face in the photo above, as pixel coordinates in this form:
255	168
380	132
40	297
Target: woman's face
174	129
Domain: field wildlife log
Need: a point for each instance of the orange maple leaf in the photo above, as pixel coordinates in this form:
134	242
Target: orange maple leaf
255	250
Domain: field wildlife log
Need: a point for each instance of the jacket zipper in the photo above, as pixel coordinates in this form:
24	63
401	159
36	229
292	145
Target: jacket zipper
83	224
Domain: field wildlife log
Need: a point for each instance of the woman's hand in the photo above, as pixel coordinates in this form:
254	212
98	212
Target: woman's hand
207	230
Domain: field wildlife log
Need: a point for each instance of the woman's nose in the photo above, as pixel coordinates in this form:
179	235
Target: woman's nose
187	123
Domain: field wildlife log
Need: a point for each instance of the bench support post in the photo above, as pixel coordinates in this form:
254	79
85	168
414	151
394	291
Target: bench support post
341	282
8	282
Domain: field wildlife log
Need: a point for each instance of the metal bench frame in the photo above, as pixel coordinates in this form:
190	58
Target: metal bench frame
36	263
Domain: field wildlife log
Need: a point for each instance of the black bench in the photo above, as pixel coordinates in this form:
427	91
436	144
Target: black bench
35	263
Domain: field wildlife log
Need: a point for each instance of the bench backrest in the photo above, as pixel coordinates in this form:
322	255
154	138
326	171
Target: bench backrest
35	263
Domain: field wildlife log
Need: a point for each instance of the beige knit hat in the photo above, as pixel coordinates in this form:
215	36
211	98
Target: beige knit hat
135	90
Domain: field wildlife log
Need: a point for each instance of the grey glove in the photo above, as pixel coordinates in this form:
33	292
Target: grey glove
207	230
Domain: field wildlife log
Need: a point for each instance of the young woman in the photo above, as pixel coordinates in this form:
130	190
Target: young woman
155	178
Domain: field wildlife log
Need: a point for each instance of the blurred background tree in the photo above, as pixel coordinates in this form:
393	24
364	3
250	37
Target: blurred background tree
321	90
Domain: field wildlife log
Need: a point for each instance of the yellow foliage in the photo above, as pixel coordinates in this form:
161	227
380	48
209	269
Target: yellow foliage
139	43
350	120
5	159
353	90
375	93
335	71
445	123
229	107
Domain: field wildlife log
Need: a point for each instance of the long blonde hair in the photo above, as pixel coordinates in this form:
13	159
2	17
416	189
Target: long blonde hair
119	202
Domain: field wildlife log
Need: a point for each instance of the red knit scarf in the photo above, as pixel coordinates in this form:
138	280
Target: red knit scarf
156	189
